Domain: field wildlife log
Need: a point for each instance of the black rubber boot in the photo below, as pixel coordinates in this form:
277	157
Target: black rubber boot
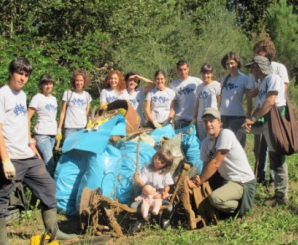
3	232
49	217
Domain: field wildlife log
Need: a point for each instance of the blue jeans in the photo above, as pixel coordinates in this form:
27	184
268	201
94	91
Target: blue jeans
234	123
68	131
45	145
181	123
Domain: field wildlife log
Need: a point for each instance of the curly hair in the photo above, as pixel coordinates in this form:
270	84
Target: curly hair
231	56
121	84
267	46
166	157
82	73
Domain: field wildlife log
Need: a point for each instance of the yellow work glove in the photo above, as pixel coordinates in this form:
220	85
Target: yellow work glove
157	125
8	168
122	111
104	106
89	124
59	134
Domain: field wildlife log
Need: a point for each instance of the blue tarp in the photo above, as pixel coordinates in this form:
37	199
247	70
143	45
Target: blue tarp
88	160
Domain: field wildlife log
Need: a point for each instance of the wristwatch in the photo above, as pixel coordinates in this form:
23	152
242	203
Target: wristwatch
253	119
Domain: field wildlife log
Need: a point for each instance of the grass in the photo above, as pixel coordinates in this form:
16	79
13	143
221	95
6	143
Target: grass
264	225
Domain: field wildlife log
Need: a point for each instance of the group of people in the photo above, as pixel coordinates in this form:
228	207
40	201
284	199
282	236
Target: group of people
215	108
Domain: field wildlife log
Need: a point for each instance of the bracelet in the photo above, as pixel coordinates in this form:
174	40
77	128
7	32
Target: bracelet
31	142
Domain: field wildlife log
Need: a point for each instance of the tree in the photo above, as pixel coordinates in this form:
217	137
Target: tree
282	26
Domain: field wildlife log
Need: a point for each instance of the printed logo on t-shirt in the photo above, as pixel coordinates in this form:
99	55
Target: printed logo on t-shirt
230	86
212	153
134	101
160	99
50	107
261	94
111	99
79	102
205	94
20	110
185	90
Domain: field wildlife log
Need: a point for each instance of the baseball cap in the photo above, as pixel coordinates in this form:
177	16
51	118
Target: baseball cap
262	62
211	111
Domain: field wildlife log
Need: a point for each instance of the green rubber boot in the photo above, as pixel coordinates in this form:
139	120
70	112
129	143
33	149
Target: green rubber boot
3	232
49	217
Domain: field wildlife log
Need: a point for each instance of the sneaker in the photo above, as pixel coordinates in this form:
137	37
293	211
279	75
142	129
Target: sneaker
137	226
273	201
166	224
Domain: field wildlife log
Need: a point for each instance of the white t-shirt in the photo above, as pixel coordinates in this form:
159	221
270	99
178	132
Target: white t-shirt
280	70
136	99
76	108
232	95
46	112
235	166
160	103
207	95
158	181
110	95
14	120
185	97
272	82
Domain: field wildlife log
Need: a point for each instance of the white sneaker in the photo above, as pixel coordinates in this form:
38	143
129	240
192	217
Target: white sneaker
166	224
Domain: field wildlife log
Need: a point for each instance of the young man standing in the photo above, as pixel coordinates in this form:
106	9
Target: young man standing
185	98
20	159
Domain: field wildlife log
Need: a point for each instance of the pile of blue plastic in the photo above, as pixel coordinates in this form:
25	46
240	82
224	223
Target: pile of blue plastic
88	160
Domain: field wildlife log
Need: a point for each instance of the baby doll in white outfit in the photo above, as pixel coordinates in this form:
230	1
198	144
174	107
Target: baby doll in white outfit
150	198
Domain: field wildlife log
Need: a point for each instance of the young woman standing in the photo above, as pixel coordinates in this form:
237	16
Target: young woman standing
208	95
45	130
115	89
75	105
136	94
160	102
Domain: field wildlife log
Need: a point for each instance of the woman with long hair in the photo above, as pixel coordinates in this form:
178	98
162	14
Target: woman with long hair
233	88
160	102
75	105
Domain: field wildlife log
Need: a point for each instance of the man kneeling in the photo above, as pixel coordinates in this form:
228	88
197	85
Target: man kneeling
222	152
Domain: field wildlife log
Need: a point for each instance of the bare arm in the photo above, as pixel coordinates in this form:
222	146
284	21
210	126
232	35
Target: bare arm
209	169
150	85
30	112
266	107
172	110
218	98
258	113
251	93
138	180
195	114
213	165
249	103
148	111
87	110
62	114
